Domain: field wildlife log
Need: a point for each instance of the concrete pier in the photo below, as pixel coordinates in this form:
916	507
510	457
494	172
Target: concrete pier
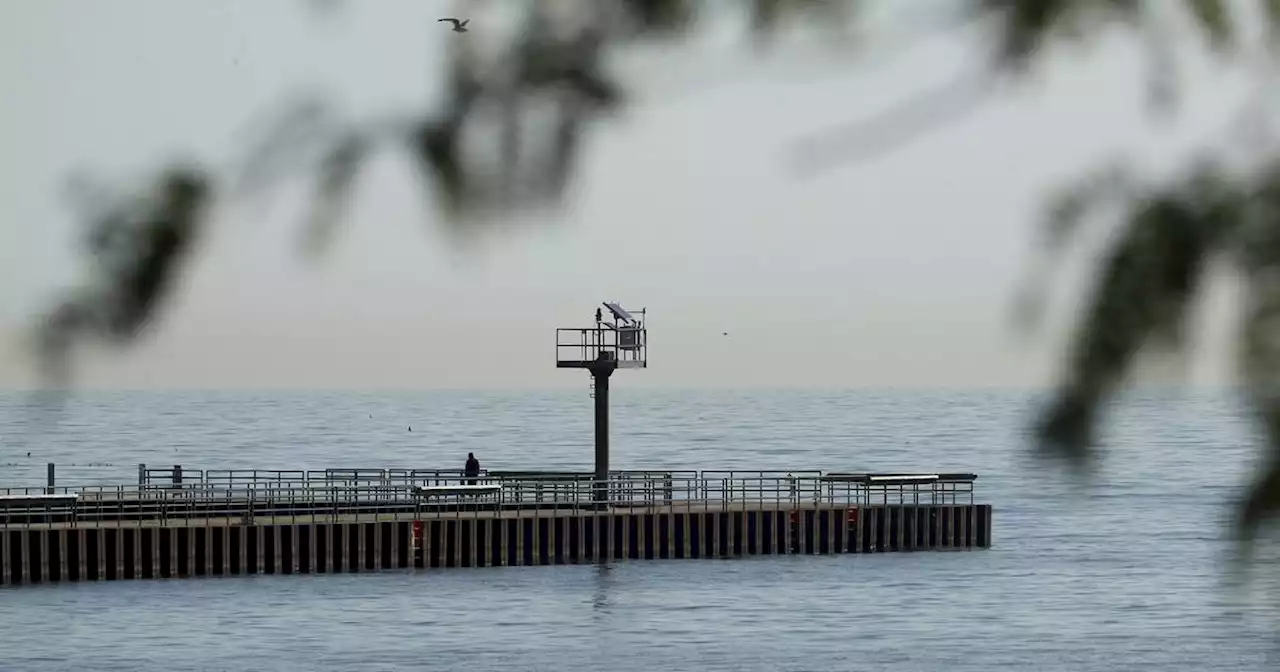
198	528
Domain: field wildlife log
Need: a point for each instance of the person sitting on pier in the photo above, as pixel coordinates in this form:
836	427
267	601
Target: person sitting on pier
471	470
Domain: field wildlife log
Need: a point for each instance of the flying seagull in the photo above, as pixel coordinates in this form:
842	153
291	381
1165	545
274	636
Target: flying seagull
458	26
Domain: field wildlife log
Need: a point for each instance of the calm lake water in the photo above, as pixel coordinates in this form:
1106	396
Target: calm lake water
1123	573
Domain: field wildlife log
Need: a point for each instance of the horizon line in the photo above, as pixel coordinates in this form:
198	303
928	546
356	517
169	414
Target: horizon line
1133	387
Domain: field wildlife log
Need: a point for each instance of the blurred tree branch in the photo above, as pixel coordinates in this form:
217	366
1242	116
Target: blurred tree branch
1169	232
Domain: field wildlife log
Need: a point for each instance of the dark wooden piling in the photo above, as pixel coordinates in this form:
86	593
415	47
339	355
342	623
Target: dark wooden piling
30	555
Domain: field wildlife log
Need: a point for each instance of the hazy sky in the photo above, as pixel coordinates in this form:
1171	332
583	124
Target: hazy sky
893	272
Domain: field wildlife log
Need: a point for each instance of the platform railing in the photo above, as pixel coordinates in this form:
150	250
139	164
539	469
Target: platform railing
161	478
635	485
320	477
209	503
576	346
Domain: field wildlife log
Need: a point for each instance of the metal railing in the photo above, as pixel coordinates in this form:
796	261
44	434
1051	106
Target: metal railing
627	345
209	503
372	476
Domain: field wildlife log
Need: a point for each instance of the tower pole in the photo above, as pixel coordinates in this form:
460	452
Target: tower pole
601	370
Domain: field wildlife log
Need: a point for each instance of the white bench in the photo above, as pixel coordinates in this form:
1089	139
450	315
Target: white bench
38	498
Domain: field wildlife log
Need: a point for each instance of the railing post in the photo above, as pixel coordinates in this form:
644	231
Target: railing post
142	474
50	479
177	475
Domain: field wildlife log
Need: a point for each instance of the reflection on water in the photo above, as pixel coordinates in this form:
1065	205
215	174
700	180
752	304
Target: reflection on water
605	583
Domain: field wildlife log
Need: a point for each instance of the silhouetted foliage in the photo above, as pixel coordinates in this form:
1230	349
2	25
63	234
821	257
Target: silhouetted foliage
1169	231
138	244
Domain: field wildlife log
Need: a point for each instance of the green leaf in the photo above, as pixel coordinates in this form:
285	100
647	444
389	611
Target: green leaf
661	16
338	172
1026	26
1214	18
1271	13
1141	295
765	15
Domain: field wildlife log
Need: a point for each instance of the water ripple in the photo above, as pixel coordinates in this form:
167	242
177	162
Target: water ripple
1125	573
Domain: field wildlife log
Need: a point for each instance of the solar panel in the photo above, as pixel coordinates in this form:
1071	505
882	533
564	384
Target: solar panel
619	312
